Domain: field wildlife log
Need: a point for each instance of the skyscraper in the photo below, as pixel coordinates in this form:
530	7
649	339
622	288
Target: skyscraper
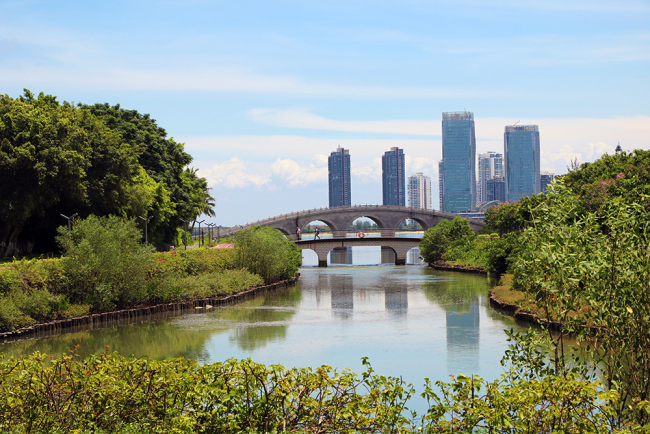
393	178
521	158
419	189
458	167
490	165
441	185
546	179
495	189
339	177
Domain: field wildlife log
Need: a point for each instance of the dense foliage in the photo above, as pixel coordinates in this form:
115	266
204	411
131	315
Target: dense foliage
104	261
592	267
109	393
57	158
106	267
266	252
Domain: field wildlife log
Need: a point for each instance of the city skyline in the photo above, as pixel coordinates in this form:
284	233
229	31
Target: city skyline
260	93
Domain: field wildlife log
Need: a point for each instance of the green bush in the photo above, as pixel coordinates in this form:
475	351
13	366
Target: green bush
105	264
267	252
111	393
455	236
172	288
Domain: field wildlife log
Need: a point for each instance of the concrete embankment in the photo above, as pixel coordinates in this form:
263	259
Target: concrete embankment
141	312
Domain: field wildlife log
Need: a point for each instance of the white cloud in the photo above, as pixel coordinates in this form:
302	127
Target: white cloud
308	120
368	173
297	175
232	174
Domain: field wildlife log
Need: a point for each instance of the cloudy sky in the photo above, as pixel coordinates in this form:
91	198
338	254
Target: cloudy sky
261	92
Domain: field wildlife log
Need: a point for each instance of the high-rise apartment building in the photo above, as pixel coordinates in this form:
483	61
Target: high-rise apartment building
546	179
490	165
393	184
458	167
339	178
521	160
419	189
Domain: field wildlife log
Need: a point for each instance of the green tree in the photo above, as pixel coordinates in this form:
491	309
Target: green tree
267	253
445	236
105	262
592	268
56	158
165	161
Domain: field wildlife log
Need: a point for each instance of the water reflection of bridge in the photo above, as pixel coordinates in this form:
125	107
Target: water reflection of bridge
400	246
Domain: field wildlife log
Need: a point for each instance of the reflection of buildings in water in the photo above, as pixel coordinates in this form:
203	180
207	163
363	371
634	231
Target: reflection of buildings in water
342	295
463	335
388	255
396	300
323	283
341	255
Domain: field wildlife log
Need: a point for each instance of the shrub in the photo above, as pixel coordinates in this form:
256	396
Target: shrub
445	236
104	262
267	253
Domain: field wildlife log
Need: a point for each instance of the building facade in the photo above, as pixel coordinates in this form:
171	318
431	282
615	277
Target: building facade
522	160
495	189
546	179
393	184
419	191
338	164
490	165
458	167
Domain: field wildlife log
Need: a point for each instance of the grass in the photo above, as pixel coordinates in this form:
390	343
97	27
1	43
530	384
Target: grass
505	294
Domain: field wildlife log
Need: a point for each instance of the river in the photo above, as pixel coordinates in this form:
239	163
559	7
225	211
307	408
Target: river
409	320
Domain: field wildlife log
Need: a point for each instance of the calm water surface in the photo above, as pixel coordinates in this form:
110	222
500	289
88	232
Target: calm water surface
409	320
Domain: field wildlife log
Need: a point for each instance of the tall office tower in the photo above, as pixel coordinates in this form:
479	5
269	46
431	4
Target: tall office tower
393	180
495	189
441	185
521	149
419	188
339	178
490	165
546	179
458	166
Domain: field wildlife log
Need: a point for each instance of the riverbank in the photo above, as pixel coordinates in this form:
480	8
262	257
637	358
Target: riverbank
140	311
446	266
503	298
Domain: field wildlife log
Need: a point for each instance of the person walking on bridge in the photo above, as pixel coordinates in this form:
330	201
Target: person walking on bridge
316	236
298	232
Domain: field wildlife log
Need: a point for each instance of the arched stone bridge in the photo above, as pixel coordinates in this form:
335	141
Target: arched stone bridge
400	245
339	219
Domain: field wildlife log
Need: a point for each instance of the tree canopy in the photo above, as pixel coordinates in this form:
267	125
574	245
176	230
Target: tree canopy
58	158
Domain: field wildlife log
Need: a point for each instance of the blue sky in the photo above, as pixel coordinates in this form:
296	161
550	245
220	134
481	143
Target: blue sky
261	92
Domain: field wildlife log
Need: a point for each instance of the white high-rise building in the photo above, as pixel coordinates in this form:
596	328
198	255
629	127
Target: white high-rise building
490	165
419	191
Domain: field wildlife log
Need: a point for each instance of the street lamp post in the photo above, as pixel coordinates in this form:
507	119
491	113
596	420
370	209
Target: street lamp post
210	232
218	234
146	228
69	219
200	232
185	228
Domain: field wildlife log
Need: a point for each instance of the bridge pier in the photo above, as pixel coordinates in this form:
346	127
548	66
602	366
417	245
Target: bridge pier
322	263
